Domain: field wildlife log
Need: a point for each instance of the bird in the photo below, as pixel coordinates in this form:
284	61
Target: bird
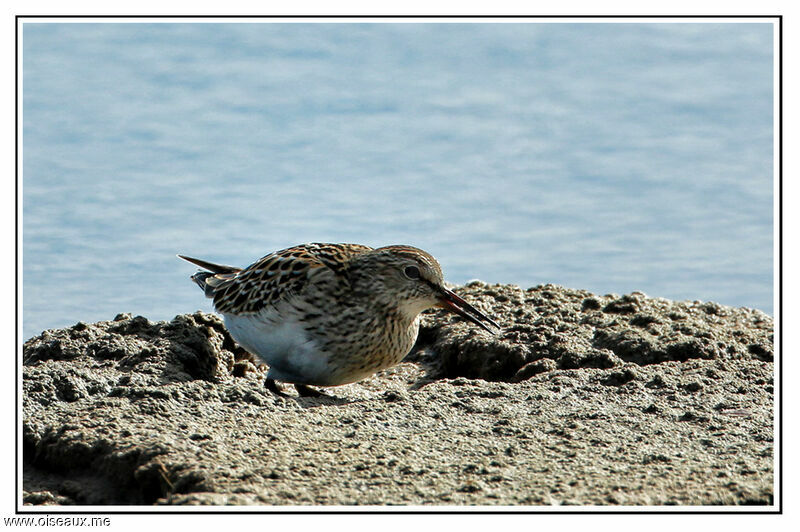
322	314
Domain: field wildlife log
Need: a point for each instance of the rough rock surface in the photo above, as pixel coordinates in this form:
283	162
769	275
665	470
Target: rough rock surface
582	399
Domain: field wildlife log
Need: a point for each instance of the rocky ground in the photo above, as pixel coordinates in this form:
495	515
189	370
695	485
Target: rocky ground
582	399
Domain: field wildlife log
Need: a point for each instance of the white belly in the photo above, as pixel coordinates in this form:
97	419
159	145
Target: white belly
292	355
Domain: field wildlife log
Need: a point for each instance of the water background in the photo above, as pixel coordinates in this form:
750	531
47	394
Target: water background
607	157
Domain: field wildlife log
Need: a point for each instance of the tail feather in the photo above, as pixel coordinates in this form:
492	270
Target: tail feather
209	280
210	266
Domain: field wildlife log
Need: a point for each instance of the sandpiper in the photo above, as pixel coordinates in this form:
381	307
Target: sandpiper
330	314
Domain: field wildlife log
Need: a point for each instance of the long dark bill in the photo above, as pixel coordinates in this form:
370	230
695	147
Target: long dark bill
465	310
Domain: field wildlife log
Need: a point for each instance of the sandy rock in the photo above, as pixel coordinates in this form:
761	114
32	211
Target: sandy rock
582	399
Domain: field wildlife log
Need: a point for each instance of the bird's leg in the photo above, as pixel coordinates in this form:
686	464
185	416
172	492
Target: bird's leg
305	391
272	386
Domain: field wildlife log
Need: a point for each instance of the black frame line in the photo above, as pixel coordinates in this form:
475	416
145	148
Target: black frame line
268	510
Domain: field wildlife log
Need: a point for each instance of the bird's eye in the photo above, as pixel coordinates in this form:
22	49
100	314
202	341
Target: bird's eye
412	272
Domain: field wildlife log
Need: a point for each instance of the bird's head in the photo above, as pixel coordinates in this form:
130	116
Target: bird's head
411	280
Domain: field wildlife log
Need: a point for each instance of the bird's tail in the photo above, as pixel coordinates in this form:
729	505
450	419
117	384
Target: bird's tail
216	274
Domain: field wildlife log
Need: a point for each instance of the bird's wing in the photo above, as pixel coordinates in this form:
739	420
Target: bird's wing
278	275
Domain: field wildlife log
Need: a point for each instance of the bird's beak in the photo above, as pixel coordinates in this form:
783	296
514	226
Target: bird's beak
452	302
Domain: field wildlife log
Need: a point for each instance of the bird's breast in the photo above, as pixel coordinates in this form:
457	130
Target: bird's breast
323	352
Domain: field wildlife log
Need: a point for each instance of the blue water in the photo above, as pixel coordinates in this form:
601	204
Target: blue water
609	157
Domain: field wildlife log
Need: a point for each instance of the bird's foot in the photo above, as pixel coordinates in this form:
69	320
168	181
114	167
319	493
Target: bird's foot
272	386
305	391
302	390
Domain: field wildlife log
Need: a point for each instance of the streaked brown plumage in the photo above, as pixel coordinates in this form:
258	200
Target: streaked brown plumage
330	314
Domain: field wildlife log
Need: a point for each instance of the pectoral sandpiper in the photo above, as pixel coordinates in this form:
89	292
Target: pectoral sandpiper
330	314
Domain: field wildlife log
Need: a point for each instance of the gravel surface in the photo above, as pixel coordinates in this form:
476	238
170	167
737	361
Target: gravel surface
582	400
